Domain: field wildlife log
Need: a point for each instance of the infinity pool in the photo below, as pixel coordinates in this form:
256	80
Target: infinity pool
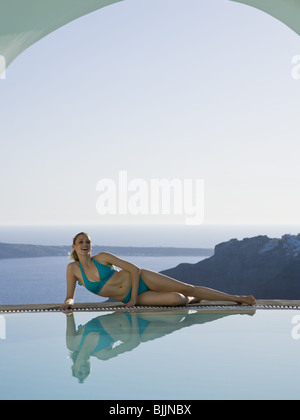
167	355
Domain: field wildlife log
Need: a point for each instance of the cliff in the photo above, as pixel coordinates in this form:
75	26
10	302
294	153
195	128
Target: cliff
266	268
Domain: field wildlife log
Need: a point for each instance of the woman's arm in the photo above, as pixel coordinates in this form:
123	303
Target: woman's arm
71	332
124	265
130	338
71	286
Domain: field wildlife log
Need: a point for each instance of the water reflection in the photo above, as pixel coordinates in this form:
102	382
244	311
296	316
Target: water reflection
107	336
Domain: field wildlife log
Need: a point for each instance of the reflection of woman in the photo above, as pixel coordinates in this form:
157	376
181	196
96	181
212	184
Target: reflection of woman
103	337
107	336
131	284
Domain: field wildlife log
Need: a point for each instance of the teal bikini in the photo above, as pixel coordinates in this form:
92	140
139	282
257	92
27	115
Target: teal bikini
95	326
105	340
105	273
142	288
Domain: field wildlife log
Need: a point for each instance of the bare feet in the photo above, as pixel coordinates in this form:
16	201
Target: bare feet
248	300
193	300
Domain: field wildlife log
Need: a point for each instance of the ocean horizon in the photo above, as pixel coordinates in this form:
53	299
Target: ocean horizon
198	236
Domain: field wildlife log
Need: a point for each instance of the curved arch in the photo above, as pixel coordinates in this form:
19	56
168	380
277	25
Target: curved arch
23	23
286	11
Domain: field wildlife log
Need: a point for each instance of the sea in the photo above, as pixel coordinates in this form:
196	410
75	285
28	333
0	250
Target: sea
42	279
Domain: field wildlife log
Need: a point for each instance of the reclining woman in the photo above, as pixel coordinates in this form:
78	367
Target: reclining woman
131	285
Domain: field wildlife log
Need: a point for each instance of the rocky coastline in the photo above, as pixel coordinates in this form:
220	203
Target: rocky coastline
268	268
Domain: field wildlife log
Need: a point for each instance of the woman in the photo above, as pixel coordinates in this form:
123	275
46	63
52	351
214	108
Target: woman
131	285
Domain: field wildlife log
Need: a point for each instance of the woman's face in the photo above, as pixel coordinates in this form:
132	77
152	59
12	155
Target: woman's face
83	245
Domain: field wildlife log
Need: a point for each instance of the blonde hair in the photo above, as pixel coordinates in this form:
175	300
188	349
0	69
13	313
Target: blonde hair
73	255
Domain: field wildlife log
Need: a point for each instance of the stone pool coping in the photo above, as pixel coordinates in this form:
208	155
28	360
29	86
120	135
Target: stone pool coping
113	306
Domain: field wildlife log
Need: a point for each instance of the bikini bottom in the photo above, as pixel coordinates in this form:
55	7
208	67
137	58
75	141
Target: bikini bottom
142	288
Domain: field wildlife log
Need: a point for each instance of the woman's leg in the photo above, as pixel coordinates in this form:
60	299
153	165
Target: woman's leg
157	282
162	299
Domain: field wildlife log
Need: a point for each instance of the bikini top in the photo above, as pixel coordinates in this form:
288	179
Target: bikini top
105	273
105	340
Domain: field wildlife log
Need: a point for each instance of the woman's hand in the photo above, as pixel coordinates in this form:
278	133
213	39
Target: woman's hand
131	303
68	305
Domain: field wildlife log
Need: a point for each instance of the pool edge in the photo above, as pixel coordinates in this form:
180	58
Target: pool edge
113	306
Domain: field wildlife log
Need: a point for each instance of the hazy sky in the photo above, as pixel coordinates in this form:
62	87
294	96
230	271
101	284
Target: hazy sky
175	89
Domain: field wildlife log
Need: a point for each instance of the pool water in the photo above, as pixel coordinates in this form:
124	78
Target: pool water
167	355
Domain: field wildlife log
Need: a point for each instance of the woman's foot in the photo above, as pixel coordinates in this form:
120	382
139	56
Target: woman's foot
192	299
248	300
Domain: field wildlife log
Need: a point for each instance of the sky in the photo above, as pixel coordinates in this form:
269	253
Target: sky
156	89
